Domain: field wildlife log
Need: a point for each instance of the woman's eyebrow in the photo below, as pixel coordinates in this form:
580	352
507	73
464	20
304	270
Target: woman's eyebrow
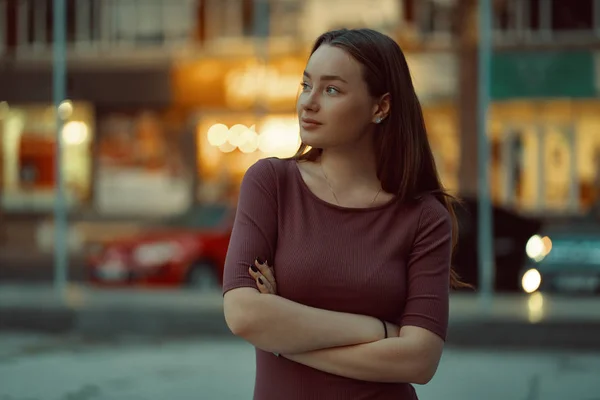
327	77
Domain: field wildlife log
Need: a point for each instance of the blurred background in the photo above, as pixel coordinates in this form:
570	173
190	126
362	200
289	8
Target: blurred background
127	125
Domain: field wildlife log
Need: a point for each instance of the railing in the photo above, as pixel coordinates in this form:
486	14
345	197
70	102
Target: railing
516	22
129	27
117	26
93	25
519	26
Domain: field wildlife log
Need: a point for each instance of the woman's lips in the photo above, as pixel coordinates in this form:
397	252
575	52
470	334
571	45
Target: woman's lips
309	123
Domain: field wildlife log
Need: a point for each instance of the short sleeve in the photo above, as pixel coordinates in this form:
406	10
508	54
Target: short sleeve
254	231
428	287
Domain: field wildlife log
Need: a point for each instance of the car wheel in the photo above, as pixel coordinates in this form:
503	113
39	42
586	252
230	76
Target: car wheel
202	277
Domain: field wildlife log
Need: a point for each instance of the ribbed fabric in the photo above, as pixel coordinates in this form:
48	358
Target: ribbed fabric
391	261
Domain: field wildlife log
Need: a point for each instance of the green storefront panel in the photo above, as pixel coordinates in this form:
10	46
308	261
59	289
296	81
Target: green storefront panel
543	75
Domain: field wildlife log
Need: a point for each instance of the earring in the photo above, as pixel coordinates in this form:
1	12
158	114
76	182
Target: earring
378	120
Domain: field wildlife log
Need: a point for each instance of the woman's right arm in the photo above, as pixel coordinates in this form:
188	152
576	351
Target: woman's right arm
269	322
275	324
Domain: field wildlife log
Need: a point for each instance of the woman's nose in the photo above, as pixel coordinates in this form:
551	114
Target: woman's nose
309	103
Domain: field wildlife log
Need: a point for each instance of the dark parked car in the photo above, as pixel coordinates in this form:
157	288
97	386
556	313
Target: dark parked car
564	257
511	231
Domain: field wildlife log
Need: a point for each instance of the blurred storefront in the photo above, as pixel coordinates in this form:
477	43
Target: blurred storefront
28	134
545	126
243	109
165	132
240	110
184	128
117	140
140	169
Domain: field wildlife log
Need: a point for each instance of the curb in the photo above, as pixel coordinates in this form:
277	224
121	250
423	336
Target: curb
168	323
567	323
574	335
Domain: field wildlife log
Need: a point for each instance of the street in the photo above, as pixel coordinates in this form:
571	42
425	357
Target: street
40	367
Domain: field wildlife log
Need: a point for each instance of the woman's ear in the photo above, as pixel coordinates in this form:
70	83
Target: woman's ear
382	108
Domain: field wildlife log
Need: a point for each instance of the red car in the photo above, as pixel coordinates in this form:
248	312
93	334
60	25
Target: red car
187	250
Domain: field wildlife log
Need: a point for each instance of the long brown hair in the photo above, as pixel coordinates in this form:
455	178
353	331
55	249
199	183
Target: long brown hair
405	163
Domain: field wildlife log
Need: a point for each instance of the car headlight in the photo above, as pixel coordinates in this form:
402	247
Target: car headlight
538	247
156	254
531	281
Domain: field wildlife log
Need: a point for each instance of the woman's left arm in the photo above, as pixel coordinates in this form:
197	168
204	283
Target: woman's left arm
413	355
412	358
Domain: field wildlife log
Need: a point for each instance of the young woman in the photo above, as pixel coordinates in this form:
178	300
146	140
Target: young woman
338	269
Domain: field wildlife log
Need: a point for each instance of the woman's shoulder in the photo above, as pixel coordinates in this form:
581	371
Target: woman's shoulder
432	207
270	168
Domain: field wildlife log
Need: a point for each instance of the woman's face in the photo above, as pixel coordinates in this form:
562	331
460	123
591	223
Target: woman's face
334	107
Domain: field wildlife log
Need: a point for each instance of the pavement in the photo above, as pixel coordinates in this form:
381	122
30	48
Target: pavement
509	321
69	367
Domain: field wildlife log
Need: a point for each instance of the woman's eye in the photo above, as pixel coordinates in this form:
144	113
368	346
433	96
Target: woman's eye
332	90
305	86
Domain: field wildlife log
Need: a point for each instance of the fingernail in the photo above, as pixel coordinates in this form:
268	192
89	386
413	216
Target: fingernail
253	268
259	260
260	281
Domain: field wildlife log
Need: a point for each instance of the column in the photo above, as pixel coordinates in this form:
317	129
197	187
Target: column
83	29
3	26
520	22
22	25
574	199
545	12
508	164
105	22
597	18
467	98
233	18
39	24
541	169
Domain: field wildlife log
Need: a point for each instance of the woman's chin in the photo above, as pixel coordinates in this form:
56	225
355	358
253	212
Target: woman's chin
310	139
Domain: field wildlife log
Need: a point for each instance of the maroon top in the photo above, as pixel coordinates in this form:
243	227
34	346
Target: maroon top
390	261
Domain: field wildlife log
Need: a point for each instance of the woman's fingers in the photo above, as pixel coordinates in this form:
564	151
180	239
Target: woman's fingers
264	286
267	271
262	283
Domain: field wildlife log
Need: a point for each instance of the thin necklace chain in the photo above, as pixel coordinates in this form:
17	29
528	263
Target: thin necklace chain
333	191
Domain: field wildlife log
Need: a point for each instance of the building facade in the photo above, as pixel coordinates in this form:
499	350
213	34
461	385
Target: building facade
544	120
170	101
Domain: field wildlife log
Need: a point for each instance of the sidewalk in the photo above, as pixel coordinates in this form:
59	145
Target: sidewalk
512	321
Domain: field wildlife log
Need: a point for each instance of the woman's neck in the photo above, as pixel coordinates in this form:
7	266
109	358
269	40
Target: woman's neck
350	167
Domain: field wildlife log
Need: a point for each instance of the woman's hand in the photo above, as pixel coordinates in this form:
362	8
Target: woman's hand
264	275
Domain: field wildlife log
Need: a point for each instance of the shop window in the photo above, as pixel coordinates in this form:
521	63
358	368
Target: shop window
286	18
228	144
382	15
36	160
573	16
29	156
140	166
545	18
551	155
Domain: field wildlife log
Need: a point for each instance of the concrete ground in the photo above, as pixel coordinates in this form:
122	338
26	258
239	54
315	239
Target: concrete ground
524	322
45	367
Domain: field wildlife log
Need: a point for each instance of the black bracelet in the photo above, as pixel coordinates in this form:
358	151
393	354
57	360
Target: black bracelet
384	328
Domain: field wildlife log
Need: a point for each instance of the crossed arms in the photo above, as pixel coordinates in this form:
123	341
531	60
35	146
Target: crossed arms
348	345
343	344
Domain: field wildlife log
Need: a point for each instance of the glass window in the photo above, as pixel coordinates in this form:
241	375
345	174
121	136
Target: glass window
574	16
140	166
29	155
551	161
229	143
316	17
